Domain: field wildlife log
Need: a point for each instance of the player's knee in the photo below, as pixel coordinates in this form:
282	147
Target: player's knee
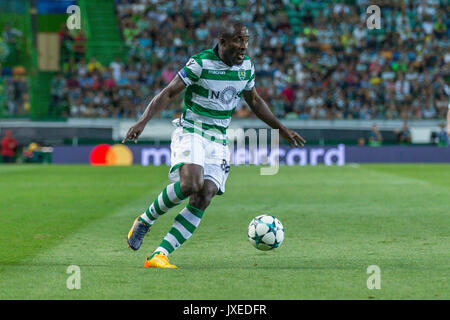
196	185
191	186
200	200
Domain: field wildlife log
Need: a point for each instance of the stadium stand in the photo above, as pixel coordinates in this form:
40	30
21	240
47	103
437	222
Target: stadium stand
14	68
314	60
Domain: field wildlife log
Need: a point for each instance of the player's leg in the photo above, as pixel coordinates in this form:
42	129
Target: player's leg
191	181
186	174
191	178
215	173
167	199
184	225
202	199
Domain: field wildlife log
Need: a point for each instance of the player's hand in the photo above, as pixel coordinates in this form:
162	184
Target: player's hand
292	137
134	132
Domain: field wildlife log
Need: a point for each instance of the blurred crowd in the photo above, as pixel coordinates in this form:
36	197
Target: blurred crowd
314	60
14	89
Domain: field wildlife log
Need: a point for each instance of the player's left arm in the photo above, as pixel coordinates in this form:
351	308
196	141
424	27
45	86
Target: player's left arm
262	111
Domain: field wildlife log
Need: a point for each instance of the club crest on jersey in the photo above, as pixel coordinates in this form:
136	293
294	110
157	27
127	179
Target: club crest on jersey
241	74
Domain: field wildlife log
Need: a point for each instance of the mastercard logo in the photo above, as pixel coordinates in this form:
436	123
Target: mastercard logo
106	155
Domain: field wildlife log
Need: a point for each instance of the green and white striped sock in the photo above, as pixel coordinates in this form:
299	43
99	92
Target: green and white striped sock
184	225
167	199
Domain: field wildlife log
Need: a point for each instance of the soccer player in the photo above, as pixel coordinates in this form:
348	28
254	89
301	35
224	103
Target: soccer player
215	80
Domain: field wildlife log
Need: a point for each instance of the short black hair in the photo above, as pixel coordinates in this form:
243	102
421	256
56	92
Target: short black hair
229	27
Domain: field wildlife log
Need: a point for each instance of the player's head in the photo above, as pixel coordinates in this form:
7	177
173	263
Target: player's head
233	42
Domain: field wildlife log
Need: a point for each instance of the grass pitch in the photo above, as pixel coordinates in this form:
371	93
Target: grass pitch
338	221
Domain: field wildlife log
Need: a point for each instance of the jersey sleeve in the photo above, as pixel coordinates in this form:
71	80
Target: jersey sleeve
251	82
191	72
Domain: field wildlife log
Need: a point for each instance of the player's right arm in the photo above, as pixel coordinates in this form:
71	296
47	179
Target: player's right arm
159	102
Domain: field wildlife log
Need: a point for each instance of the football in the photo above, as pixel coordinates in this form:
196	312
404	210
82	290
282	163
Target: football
265	232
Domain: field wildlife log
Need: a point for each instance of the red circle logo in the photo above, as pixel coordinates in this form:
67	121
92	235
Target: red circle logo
106	155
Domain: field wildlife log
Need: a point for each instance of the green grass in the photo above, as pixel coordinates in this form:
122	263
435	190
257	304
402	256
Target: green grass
338	221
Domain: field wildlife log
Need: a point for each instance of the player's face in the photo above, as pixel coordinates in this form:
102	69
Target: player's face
236	46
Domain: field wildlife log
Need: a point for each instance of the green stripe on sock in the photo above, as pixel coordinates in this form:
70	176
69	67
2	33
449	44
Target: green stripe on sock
149	215
178	191
195	211
143	221
189	226
169	204
166	245
156	206
177	234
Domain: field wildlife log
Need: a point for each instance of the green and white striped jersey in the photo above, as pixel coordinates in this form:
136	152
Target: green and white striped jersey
213	90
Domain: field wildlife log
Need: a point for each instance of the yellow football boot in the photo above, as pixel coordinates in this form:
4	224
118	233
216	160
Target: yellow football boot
158	260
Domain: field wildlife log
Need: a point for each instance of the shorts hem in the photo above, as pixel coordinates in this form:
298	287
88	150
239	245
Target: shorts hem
218	185
176	166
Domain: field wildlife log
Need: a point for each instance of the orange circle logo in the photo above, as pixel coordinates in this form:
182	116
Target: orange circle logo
106	155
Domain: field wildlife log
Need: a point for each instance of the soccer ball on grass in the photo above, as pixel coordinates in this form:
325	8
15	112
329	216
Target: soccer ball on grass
265	232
